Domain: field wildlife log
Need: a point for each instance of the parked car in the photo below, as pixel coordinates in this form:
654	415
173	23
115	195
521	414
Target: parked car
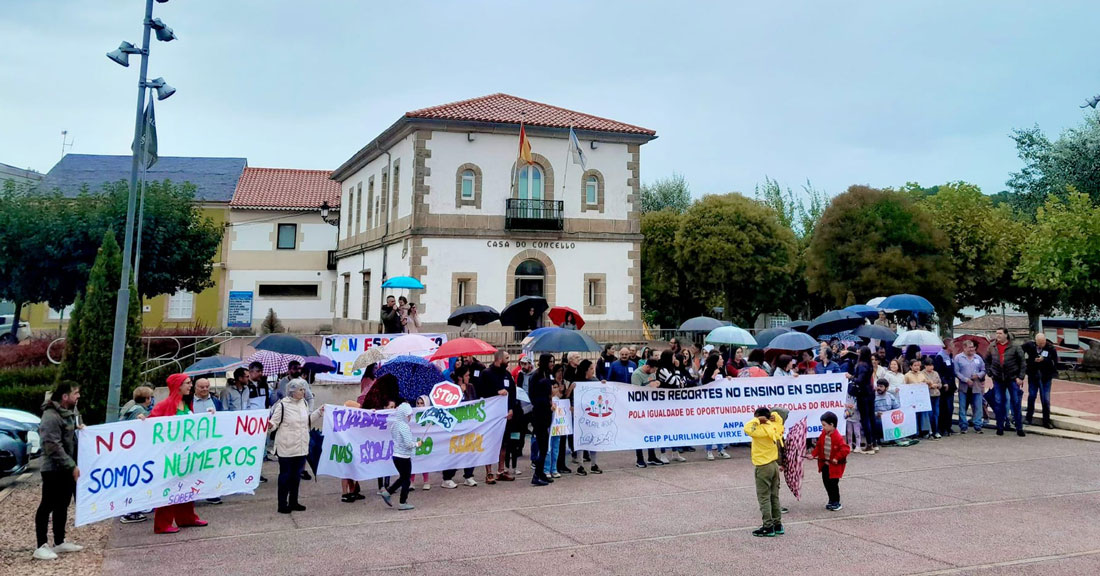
14	455
33	440
21	334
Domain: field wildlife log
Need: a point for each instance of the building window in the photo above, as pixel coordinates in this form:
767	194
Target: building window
377	208
591	187
396	190
289	290
463	286
366	296
530	183
777	320
370	202
595	294
592	191
530	279
350	200
181	305
463	289
288	237
467	184
358	207
383	193
347	294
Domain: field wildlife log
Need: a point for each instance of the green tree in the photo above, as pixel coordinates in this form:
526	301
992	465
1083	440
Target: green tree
666	294
271	323
737	248
799	213
1050	168
978	245
670	193
88	346
875	243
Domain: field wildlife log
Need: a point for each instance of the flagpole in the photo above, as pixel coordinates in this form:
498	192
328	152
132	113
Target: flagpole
568	153
141	199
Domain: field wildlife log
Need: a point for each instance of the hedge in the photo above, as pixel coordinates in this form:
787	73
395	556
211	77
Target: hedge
25	388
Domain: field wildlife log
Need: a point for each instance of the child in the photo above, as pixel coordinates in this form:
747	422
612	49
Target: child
404	448
853	430
831	454
884	402
350	488
766	431
385	480
551	468
423	402
932	378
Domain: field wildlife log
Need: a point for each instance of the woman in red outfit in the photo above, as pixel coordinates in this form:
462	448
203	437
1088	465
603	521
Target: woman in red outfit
169	519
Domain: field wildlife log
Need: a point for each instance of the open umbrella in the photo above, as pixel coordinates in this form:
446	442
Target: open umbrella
403	282
519	309
318	365
981	344
284	344
462	347
874	302
558	314
834	321
907	303
415	376
562	340
702	324
214	365
796	451
797	325
274	363
476	313
413	344
920	338
731	335
863	310
793	341
535	334
373	355
873	332
764	337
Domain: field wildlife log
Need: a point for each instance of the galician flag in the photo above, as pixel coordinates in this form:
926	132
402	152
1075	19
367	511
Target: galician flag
575	150
524	146
148	142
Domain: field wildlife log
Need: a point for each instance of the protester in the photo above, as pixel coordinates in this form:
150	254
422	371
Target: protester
668	373
383	395
259	392
943	365
169	519
461	377
865	399
646	376
391	317
351	491
410	318
587	370
404	447
366	382
550	468
57	433
784	366
932	379
497	381
825	364
1007	366
204	401
755	366
622	370
1042	367
138	409
235	396
293	370
766	431
291	421
831	453
607	358
542	414
884	402
422	402
570	322
807	365
737	363
853	424
970	373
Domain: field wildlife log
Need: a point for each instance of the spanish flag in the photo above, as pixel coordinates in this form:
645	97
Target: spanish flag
524	146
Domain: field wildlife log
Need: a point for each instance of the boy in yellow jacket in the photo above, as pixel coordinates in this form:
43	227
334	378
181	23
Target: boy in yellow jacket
766	431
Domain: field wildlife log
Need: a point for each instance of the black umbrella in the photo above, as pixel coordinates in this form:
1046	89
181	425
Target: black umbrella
873	332
797	325
284	344
477	313
835	321
519	308
702	324
765	337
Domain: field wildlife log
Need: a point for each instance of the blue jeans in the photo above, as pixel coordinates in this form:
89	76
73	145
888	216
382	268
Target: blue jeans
534	449
1038	386
552	454
718	447
1007	395
974	401
930	421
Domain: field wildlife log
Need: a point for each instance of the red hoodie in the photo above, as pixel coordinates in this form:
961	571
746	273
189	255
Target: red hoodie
171	405
839	452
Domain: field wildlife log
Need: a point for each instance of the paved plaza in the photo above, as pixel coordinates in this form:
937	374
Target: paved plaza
964	505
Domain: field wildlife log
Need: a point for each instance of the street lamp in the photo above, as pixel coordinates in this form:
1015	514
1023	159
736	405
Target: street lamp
325	207
122	305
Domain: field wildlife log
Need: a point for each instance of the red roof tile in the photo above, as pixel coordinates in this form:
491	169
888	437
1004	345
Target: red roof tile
506	109
285	188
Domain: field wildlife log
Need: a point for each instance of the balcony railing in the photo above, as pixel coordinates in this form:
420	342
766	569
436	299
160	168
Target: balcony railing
522	214
331	259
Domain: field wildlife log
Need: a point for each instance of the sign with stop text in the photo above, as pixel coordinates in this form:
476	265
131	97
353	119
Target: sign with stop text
141	464
898	424
359	443
445	395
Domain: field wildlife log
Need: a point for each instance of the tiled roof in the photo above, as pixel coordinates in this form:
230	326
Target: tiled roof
215	179
285	188
990	322
506	109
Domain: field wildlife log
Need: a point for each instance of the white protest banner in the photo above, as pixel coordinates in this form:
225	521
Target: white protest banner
611	416
141	464
359	443
914	397
343	349
898	424
561	423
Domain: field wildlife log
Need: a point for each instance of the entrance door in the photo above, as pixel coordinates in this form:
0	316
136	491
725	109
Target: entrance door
530	279
531	191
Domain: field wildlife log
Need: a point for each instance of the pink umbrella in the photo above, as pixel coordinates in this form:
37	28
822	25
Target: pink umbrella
410	344
274	363
796	451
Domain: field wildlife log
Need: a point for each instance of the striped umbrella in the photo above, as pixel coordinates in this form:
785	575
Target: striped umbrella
796	451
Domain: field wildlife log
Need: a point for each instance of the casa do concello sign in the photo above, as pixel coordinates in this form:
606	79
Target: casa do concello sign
538	244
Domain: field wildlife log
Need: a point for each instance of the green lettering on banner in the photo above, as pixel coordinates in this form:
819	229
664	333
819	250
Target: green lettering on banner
158	432
224	454
425	447
189	430
469	412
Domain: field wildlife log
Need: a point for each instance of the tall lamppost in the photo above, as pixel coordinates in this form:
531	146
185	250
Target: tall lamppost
122	306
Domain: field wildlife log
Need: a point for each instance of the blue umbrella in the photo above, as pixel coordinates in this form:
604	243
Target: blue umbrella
863	310
702	324
562	340
873	332
907	303
764	337
214	365
403	282
797	325
415	376
793	341
731	335
284	344
834	321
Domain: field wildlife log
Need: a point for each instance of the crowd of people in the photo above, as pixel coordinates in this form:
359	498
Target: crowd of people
874	379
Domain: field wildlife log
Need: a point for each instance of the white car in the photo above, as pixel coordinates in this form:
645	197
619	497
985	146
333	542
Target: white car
34	442
22	333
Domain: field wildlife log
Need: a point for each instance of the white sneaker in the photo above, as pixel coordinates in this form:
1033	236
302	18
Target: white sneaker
470	482
449	484
663	459
517	472
710	455
44	553
67	547
427	486
725	455
679	457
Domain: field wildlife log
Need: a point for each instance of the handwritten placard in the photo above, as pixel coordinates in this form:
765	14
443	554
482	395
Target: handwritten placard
140	464
562	422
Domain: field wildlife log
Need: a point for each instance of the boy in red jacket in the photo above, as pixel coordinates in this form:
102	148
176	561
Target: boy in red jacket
831	453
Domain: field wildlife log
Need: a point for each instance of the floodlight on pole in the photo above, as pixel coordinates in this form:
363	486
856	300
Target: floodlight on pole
121	55
1092	102
163	89
164	33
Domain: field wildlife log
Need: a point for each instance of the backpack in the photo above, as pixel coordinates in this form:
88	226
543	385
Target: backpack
782	447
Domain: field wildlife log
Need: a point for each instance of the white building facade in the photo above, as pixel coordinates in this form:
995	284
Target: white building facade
437	196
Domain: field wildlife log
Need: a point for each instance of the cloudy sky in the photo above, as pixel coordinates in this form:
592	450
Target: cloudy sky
839	93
